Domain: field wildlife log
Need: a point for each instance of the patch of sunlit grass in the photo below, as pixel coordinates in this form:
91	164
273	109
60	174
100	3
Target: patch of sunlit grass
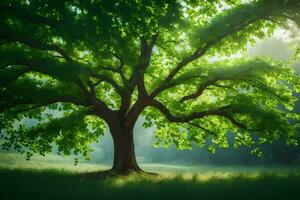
17	161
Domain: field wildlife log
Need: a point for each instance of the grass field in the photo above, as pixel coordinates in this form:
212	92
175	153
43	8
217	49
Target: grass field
57	178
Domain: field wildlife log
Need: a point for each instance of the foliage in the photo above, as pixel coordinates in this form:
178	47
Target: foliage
100	62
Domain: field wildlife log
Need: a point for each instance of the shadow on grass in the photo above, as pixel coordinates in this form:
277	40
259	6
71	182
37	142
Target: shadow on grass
54	184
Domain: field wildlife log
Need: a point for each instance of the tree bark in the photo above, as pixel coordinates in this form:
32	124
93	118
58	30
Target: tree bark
124	155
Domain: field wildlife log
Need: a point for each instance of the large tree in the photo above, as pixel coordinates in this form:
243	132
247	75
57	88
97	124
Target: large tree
76	68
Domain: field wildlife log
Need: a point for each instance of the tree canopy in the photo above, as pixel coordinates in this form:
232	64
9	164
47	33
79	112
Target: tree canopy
76	68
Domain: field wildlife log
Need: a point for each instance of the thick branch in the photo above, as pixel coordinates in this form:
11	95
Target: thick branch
10	36
186	118
107	79
53	68
199	91
222	111
37	103
199	53
100	106
118	70
14	76
137	79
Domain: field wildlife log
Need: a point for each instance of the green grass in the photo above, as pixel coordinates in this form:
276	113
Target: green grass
57	178
55	184
50	161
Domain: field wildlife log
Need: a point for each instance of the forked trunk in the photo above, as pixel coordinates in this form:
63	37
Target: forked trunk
124	155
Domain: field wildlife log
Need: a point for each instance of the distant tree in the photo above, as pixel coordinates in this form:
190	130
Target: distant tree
105	63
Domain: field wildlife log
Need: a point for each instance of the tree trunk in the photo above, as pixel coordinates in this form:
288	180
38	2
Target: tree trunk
124	155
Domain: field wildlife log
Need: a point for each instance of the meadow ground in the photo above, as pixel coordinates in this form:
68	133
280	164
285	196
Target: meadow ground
56	178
